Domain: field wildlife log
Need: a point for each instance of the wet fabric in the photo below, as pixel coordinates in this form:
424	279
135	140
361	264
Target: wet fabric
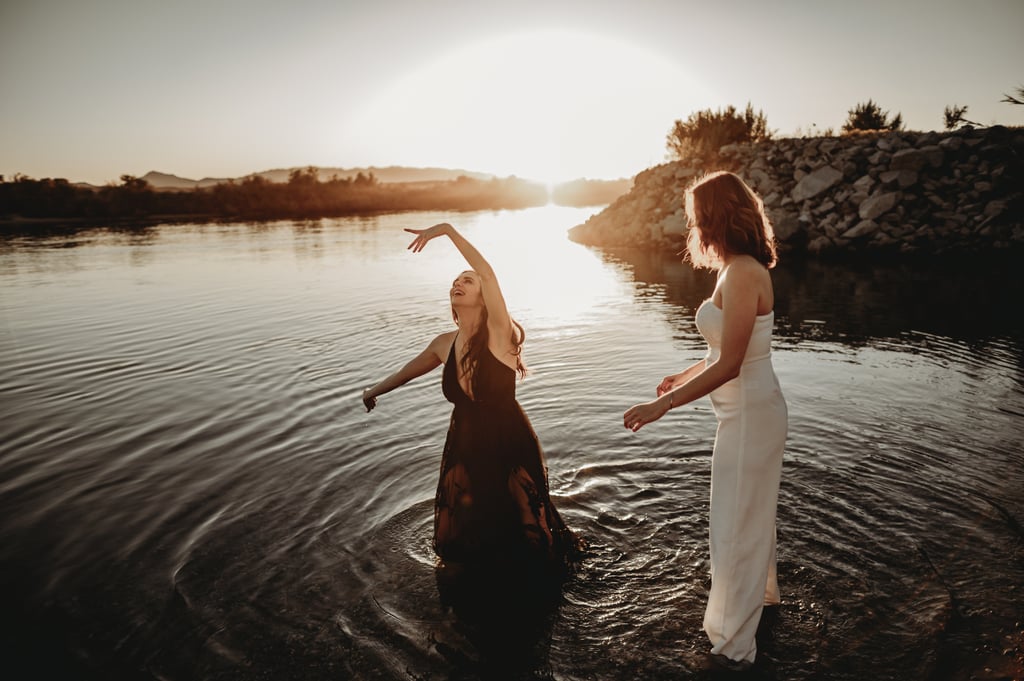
746	466
493	504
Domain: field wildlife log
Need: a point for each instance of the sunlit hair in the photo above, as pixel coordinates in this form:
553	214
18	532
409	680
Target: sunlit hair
727	218
477	345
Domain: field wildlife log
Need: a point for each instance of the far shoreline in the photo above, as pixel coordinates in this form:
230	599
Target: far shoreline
26	203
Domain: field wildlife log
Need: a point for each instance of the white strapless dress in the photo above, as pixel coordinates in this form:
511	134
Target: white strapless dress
745	469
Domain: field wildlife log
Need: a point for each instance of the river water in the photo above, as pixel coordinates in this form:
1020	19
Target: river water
190	487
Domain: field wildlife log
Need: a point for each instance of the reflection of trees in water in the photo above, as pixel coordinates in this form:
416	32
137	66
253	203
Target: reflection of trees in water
864	300
856	302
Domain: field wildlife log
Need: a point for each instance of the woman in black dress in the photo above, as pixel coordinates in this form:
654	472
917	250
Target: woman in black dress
492	505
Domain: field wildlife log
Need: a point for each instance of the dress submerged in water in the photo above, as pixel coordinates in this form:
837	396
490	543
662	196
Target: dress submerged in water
746	466
492	505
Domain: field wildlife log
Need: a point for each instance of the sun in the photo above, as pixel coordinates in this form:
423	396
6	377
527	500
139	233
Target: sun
545	105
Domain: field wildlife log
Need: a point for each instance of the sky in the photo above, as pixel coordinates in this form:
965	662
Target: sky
545	90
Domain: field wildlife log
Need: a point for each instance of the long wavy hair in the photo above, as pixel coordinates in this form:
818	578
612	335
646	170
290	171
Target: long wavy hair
727	218
477	345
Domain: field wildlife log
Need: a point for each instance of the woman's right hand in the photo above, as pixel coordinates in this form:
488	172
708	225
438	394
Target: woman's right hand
425	235
369	399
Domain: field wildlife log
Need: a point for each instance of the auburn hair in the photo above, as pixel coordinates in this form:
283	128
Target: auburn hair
727	218
477	345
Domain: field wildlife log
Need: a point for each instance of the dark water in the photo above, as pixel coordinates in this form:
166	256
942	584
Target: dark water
190	488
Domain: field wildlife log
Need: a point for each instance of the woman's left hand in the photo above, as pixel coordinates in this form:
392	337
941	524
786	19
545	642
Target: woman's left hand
638	416
425	235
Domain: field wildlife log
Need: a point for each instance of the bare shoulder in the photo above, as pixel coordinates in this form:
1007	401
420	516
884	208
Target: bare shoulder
740	273
745	277
442	344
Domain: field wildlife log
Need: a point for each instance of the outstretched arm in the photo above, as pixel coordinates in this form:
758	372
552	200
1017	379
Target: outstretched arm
426	361
499	322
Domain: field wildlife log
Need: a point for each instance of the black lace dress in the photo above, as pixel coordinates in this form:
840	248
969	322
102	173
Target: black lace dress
492	505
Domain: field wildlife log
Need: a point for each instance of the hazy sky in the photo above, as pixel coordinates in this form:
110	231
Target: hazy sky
543	89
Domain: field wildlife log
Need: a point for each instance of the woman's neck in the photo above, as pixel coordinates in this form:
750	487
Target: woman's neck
469	322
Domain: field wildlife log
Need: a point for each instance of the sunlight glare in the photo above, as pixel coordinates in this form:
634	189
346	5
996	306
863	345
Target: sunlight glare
546	105
547	279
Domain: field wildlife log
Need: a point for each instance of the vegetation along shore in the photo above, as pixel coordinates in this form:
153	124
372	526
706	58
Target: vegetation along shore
873	189
25	202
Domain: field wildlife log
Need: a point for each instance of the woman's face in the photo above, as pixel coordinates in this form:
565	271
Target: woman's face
465	291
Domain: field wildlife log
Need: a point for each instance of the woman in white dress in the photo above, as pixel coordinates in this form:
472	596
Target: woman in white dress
730	233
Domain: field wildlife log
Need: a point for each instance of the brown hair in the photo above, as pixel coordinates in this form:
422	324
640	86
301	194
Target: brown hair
725	218
477	345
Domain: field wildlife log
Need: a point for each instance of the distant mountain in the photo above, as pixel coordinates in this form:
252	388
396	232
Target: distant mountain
159	180
386	174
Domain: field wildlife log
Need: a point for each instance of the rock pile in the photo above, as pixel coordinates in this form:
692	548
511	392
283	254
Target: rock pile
901	192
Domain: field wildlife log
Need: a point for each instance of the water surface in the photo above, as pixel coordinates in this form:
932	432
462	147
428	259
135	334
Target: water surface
190	487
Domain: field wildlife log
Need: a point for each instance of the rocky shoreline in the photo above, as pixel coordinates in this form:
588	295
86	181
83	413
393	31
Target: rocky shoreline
887	192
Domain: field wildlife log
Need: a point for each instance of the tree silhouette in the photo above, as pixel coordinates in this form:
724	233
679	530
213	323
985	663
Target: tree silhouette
131	183
869	116
302	196
956	115
704	132
1019	99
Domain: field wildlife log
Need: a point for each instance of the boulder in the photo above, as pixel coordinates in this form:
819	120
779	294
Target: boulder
786	226
877	205
934	155
903	178
820	245
906	192
862	228
908	159
864	184
815	183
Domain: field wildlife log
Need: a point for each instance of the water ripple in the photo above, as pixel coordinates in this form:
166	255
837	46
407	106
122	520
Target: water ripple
190	485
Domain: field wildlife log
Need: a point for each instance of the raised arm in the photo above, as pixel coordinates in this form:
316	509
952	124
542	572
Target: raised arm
428	360
499	321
